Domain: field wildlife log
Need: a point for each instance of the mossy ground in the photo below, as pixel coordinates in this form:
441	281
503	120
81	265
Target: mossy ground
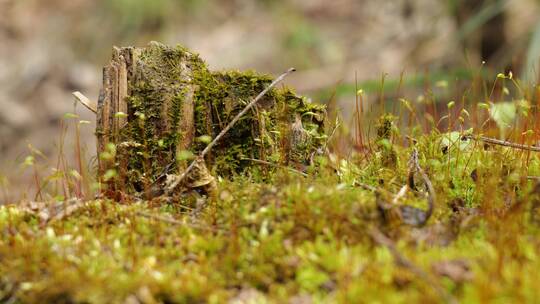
295	238
337	229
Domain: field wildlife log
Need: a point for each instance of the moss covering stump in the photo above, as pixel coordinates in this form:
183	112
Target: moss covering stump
161	105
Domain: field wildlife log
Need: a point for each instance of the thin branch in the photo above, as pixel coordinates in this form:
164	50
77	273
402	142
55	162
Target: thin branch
401	193
227	128
383	240
275	165
504	143
85	101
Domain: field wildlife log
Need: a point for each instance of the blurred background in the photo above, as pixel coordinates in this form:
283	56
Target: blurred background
48	49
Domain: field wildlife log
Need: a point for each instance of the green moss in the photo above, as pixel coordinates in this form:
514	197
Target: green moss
385	129
292	237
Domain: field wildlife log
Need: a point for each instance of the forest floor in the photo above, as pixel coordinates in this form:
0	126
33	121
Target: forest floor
341	234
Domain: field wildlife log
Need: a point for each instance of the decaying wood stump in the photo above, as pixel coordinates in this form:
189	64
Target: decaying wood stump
161	104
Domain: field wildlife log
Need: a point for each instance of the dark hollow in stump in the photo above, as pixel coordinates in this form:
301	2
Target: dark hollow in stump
159	105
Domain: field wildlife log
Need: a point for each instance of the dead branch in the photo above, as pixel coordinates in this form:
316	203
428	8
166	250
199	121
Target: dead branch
504	143
401	193
85	101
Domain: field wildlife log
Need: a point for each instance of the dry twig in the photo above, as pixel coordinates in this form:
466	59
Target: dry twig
401	193
504	143
85	101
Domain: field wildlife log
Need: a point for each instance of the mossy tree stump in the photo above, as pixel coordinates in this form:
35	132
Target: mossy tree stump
161	104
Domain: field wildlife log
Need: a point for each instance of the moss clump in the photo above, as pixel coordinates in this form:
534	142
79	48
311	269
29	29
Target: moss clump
385	129
294	238
174	100
262	134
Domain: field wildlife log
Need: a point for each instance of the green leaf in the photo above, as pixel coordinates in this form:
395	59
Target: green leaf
454	140
503	113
